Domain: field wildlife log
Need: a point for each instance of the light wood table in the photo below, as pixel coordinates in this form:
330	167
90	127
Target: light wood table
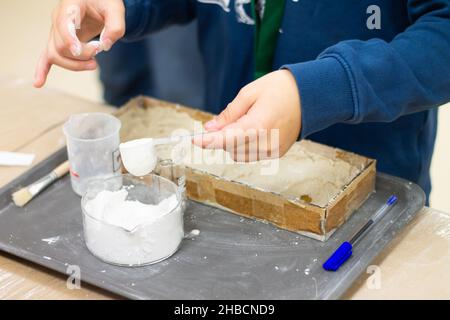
415	265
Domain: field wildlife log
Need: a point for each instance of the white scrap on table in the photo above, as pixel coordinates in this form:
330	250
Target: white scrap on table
16	159
193	233
51	240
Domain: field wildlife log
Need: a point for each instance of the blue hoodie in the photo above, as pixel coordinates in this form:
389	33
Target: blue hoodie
367	85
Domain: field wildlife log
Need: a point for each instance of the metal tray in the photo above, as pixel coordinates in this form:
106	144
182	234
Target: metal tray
232	258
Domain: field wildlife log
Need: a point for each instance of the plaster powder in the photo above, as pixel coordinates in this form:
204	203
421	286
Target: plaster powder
129	232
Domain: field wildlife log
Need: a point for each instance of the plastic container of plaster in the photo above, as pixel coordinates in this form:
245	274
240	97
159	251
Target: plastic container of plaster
133	221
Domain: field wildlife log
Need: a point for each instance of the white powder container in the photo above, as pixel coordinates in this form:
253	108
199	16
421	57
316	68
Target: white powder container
133	221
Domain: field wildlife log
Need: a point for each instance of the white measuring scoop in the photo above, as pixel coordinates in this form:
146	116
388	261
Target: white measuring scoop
139	156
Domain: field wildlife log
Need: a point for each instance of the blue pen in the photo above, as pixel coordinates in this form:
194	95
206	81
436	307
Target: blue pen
345	250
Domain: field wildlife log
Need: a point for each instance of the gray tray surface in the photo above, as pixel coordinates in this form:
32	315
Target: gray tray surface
232	258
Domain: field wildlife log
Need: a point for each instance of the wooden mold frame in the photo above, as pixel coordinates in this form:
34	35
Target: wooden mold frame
287	213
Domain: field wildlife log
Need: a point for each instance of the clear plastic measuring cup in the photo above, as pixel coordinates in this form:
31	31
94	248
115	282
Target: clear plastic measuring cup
92	147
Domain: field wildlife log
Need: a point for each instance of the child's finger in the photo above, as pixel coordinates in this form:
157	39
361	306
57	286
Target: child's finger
89	50
114	15
66	22
42	70
235	109
210	140
230	135
74	65
85	51
47	60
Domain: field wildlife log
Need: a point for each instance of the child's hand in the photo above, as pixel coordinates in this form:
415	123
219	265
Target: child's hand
74	23
271	102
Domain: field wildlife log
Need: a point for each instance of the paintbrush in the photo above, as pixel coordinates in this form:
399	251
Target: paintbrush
23	196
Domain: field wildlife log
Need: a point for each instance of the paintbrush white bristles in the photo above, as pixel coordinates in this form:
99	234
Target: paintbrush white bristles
22	197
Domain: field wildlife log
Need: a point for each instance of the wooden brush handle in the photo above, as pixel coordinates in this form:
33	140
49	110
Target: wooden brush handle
62	169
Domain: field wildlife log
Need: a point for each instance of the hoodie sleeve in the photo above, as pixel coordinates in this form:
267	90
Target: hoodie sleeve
145	16
365	81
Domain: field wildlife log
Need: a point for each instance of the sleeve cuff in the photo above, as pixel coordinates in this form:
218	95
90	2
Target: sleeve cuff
326	93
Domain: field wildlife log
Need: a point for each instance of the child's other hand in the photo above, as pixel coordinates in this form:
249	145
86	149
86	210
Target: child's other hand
74	22
270	102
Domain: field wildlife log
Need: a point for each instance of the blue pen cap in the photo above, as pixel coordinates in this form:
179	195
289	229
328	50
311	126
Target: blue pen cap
338	257
392	200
